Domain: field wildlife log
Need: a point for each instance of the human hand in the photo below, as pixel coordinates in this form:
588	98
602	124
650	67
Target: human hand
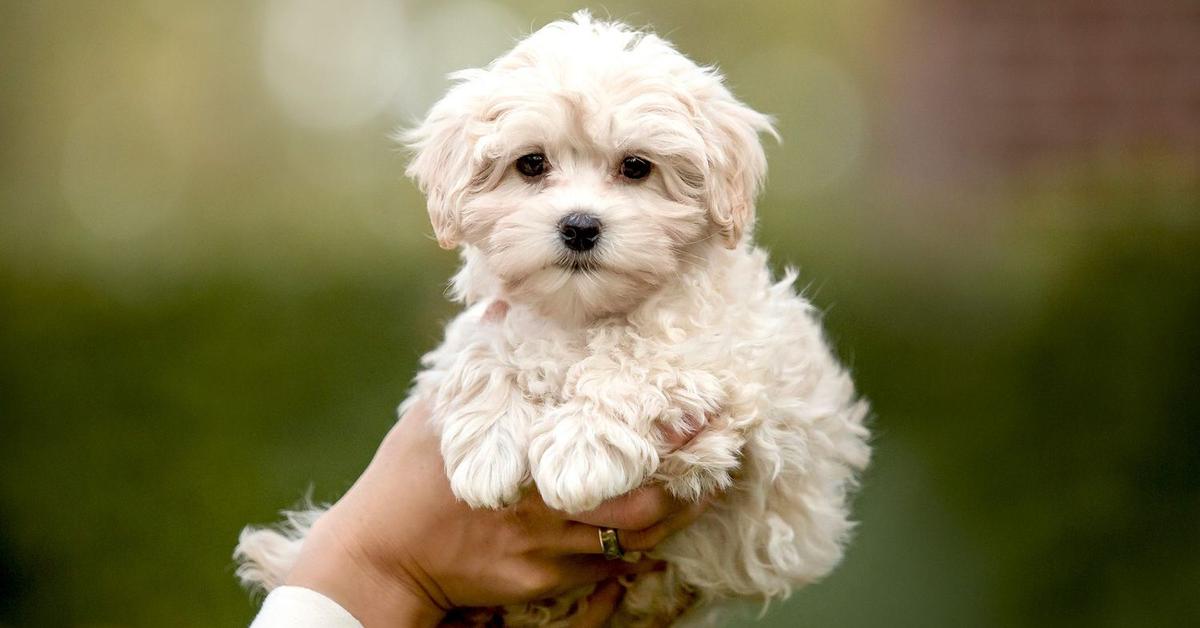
399	549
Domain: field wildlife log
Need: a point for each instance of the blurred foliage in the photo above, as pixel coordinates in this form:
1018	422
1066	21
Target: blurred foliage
211	301
1057	425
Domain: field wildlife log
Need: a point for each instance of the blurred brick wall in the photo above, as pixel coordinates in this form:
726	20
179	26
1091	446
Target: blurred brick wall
980	90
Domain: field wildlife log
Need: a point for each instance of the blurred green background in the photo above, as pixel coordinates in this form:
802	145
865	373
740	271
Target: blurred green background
215	284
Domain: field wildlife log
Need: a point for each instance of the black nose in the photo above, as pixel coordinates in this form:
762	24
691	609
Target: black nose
579	231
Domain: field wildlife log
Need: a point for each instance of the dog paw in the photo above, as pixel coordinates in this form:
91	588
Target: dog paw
488	473
703	466
584	459
694	483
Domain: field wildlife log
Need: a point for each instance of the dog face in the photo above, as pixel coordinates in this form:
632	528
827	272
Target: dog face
587	165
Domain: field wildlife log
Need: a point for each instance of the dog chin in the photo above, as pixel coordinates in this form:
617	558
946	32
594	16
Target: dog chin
580	290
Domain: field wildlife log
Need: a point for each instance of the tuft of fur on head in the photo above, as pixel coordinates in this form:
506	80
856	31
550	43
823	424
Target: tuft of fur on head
587	94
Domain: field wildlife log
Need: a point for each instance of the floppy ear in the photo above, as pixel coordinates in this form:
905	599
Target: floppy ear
443	158
737	165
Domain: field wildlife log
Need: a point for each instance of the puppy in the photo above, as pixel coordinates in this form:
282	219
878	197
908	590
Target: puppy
601	189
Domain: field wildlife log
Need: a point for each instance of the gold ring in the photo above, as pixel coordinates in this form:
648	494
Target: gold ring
610	546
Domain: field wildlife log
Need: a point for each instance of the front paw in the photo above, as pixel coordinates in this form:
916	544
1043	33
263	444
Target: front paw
703	465
584	458
487	472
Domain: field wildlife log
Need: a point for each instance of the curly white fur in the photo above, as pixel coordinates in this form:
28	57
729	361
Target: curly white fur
569	374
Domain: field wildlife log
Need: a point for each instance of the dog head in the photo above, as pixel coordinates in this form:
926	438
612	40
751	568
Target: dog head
586	166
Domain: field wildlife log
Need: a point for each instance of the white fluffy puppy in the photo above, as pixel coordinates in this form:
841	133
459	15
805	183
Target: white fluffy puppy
601	187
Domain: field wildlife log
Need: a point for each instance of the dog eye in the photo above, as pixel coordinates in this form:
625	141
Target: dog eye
532	165
635	168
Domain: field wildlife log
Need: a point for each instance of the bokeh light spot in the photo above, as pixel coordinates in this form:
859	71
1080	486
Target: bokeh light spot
333	65
121	181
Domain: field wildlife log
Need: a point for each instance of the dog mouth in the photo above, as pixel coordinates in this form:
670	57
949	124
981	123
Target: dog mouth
578	263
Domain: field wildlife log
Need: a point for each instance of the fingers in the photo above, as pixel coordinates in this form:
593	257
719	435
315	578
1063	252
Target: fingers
581	538
601	605
581	570
636	510
649	538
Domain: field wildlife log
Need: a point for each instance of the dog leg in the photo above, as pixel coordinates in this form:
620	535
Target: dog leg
697	441
484	420
704	464
585	456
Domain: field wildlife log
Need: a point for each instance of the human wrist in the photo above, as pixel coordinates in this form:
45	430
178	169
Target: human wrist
374	597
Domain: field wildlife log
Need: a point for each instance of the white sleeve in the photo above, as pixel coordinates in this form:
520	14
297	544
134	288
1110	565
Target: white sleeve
297	607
